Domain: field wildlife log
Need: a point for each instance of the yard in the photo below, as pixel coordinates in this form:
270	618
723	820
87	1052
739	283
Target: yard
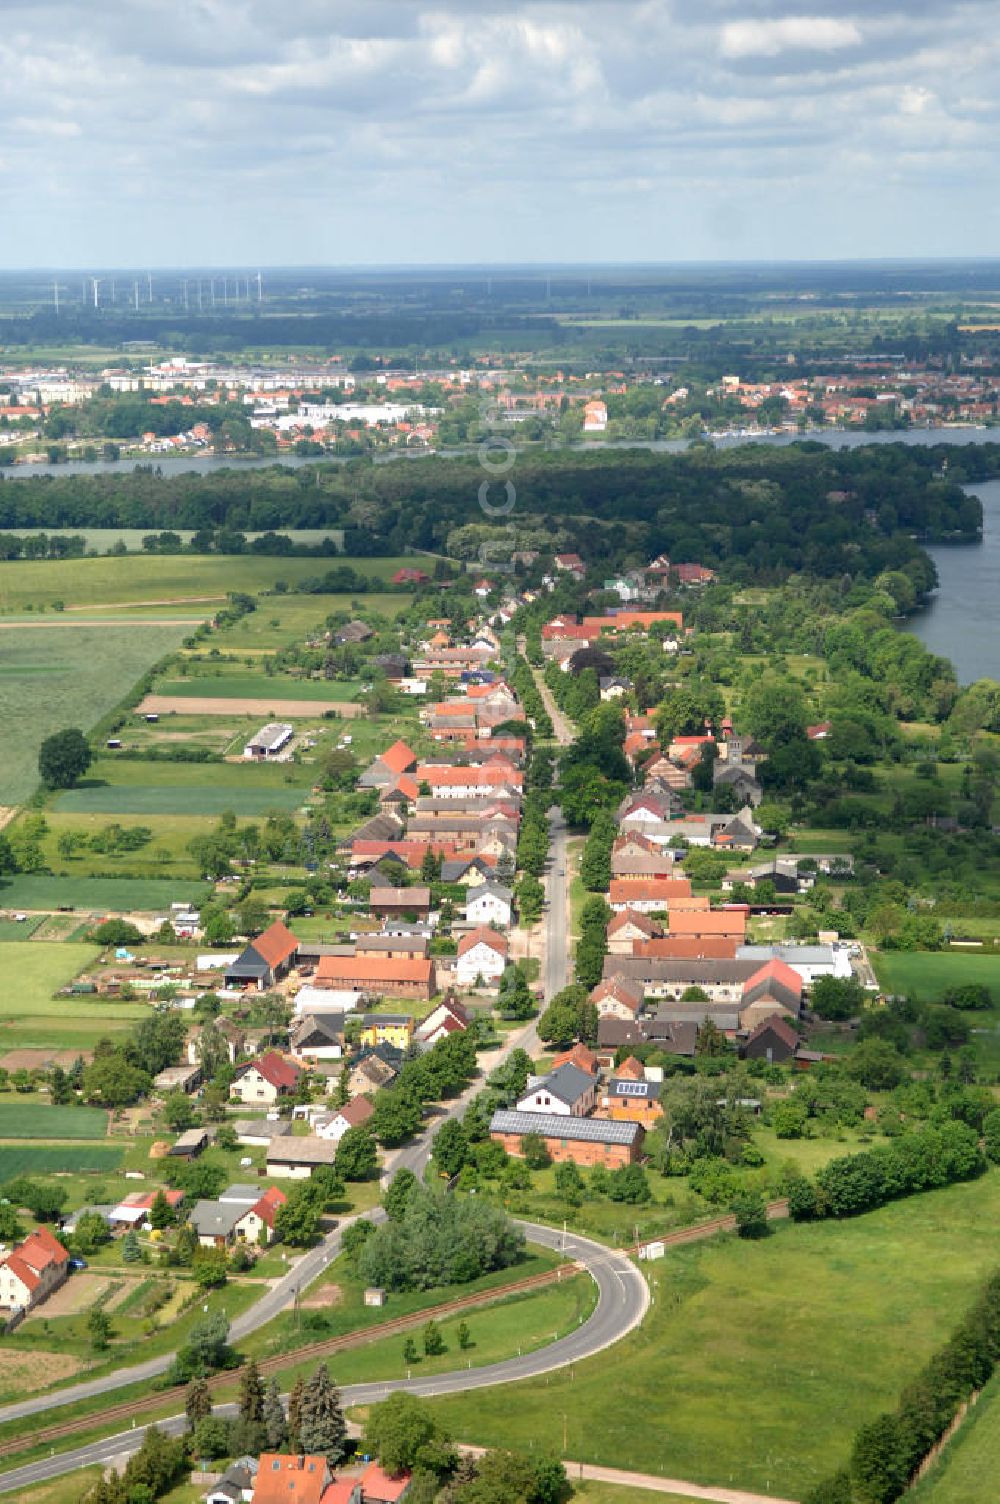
97	895
927	975
248	686
56	1159
803	1336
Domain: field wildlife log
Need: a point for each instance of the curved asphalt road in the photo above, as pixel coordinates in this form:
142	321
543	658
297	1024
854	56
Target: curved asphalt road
622	1302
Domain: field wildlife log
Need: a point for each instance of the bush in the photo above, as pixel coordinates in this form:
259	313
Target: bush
439	1240
750	1210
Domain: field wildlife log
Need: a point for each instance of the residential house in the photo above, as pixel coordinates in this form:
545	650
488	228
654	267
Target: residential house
32	1270
585	1141
775	989
708	923
672	1036
613	686
318	1036
580	1056
236	1484
266	960
386	1028
284	1478
385	770
491	903
722	981
632	1101
374	1069
296	1158
449	1017
224	1028
688	947
259	1132
773	1039
628	928
481	954
616	998
265	1080
740	778
566	1092
333	1125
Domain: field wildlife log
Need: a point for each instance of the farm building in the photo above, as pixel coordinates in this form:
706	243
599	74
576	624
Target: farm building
586	1141
265	959
269	741
296	1158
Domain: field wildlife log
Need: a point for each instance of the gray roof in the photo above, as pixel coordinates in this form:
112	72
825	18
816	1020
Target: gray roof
568	1084
244	1195
302	1151
585	1130
211	1219
415	944
642	1091
262	1127
496	889
803	955
685	973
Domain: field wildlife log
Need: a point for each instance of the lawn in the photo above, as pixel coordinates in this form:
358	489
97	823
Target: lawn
54	1159
30	1015
970	1459
20	1119
67	676
99	895
803	1336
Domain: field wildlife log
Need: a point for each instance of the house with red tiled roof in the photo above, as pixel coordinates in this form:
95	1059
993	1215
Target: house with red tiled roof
290	1478
265	960
449	1017
647	895
383	976
265	1079
627	928
616	998
333	1125
410	577
32	1270
583	1058
482	953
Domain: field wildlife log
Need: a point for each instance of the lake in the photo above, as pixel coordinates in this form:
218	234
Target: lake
962	621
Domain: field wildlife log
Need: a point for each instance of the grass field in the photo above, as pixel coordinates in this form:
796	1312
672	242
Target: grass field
927	975
174	799
53	679
172	577
20	1119
125	773
29	1014
98	894
803	1336
50	1159
970	1459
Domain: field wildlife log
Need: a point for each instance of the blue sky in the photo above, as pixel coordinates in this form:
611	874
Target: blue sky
225	132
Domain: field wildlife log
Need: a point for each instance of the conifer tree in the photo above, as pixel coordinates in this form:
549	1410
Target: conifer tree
322	1428
197	1402
275	1425
295	1415
251	1394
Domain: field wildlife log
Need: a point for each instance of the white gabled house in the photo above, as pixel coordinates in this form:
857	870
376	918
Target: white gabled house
481	953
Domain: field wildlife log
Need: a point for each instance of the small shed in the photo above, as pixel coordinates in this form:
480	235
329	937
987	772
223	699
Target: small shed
374	1296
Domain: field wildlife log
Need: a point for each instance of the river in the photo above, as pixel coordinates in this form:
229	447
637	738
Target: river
960	623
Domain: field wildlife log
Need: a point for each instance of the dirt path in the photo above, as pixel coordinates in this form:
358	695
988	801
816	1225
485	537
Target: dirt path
175	600
76	626
195	705
669	1485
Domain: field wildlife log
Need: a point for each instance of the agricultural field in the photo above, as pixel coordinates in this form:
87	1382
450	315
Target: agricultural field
98	895
20	1119
247	686
30	1015
55	1159
805	1335
53	679
155	799
165	578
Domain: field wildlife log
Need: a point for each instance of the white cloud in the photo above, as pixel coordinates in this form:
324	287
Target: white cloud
788	34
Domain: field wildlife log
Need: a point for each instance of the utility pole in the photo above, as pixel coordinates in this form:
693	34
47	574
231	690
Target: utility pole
149	285
55	295
135	294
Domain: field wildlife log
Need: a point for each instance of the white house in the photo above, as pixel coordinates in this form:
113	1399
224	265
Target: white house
333	1125
567	1092
32	1270
492	903
481	953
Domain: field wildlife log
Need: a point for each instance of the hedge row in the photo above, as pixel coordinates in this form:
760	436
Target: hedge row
888	1451
918	1161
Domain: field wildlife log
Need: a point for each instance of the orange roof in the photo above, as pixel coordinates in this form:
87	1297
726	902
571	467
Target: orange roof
489	937
408	786
652	889
22	1271
580	1056
634	917
446	774
376	1484
398	758
631	1069
276	944
776	970
712	922
373	969
40	1248
284	1478
268	1204
689	947
624	620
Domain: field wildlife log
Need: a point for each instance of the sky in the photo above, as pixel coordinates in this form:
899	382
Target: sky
348	132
